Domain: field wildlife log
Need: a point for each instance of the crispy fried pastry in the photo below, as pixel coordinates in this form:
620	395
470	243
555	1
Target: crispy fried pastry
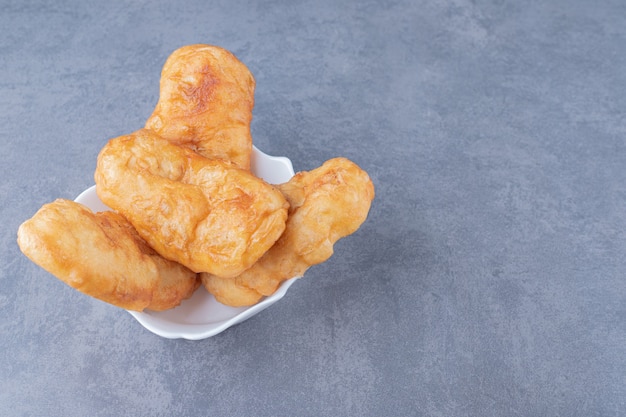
326	204
228	292
205	103
101	255
205	214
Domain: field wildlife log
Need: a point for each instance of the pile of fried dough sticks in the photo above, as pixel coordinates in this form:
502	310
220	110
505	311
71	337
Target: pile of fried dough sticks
186	211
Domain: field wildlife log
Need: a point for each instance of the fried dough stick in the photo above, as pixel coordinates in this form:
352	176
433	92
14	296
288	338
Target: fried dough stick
203	213
326	204
205	103
101	255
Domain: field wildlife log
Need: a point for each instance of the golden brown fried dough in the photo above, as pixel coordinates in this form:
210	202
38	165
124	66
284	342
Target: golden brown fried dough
228	292
326	204
205	103
102	256
205	214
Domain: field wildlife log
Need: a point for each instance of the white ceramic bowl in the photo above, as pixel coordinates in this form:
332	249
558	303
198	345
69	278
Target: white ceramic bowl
201	316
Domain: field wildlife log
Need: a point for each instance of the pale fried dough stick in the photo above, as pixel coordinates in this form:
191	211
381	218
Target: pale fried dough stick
102	256
326	204
205	103
205	214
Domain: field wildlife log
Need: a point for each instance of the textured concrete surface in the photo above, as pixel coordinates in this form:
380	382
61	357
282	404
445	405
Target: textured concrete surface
489	279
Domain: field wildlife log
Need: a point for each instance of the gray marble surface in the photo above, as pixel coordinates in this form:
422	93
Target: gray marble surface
489	278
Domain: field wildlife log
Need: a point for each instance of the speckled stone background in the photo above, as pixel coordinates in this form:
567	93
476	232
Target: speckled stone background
489	279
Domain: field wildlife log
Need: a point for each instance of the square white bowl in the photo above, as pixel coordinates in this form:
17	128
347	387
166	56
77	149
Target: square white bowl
201	316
